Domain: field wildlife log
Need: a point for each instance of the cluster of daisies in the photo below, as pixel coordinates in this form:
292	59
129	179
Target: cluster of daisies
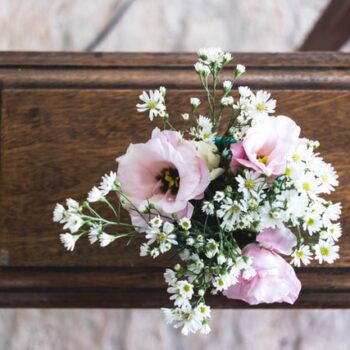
233	191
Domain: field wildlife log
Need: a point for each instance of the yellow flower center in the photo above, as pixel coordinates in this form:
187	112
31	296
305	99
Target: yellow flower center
249	184
296	157
263	159
260	107
310	222
288	171
235	208
300	254
187	288
169	180
325	178
151	104
324	251
161	237
307	186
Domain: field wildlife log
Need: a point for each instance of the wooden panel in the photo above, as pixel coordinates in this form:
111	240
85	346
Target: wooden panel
62	128
332	30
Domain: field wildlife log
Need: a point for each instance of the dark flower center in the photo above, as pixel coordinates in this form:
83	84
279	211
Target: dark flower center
169	180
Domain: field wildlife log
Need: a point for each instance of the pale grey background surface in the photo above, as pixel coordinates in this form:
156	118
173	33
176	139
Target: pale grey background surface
159	25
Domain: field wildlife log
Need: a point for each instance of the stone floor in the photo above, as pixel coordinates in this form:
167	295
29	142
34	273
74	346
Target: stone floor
156	25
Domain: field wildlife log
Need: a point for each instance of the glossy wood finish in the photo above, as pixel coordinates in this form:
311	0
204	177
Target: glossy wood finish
64	120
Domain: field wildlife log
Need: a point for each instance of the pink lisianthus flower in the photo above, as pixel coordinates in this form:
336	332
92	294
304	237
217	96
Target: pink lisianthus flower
266	146
165	172
279	240
275	280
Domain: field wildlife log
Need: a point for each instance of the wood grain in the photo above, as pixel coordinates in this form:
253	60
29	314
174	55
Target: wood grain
63	125
332	30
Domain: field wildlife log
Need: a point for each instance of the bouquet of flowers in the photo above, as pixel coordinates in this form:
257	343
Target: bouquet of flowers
230	193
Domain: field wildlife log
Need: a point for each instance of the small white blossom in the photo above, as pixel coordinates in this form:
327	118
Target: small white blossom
144	249
109	182
195	102
185	116
301	255
163	237
214	56
94	232
59	213
185	223
261	105
73	205
74	222
208	208
156	221
326	251
170	277
244	91
212	248
240	69
331	233
202	69
106	239
152	102
227	85
227	101
182	292
95	195
219	196
68	240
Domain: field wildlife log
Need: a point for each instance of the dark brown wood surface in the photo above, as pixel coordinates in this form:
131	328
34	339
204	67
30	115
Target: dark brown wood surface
332	30
64	120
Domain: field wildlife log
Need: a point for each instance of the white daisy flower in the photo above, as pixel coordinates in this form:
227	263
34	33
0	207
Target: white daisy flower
212	248
244	91
332	212
227	101
240	69
312	222
250	183
182	292
94	232
109	182
261	104
208	208
271	216
302	255
214	56
73	205
59	213
185	223
73	223
163	237
332	232
203	311
202	69
68	240
106	239
326	251
185	116
170	277
230	212
223	282
227	85
156	221
144	249
95	195
195	102
219	196
153	101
